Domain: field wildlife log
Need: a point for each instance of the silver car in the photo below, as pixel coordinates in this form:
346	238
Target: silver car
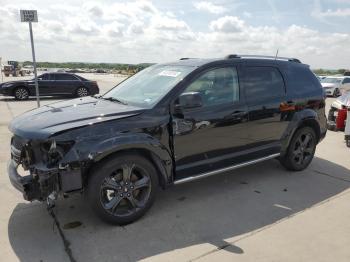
336	86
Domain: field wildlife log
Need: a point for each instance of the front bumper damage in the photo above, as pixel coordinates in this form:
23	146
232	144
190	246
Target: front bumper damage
35	186
39	179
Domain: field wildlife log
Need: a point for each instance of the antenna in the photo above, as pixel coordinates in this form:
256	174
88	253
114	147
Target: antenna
276	54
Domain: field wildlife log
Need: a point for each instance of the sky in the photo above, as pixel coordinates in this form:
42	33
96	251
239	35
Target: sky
315	31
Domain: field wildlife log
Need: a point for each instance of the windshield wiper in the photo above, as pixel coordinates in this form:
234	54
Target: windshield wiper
112	99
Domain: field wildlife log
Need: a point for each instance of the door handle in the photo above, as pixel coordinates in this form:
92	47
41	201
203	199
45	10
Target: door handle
237	115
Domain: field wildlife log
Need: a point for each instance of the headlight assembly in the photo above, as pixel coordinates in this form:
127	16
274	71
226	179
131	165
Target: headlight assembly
55	151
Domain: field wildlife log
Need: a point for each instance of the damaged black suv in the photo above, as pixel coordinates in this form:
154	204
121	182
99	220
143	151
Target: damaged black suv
168	124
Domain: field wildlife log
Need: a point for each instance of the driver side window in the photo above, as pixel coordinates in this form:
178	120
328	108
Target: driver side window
217	86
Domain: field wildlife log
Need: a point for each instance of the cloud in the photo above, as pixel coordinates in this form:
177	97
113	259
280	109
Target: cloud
228	24
335	13
210	7
141	31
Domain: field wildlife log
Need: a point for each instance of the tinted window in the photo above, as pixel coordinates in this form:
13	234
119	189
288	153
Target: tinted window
263	82
346	81
65	77
301	81
45	77
218	86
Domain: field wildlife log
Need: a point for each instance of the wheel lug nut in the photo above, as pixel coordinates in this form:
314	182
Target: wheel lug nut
128	195
121	195
132	187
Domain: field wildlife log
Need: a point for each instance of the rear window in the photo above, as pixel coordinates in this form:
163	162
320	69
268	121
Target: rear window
301	81
263	82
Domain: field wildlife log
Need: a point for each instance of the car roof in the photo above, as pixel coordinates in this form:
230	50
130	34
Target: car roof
198	62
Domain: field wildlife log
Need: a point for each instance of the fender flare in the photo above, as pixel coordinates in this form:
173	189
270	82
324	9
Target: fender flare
303	118
142	143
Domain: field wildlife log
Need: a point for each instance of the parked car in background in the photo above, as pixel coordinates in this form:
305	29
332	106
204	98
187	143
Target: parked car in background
336	86
337	114
320	77
50	84
169	124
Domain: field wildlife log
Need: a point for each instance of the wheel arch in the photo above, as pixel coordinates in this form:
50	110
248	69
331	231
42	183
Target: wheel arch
307	119
20	86
156	154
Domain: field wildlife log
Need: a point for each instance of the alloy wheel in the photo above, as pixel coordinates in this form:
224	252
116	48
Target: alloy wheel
82	91
125	191
21	93
303	148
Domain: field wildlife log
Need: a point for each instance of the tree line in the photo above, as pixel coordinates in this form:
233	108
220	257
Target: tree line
81	65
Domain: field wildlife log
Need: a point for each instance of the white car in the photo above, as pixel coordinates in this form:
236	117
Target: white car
336	86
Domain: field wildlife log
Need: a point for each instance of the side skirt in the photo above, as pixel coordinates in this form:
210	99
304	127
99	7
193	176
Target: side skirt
219	171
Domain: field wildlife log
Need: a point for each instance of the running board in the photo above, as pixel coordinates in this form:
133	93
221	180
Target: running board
218	171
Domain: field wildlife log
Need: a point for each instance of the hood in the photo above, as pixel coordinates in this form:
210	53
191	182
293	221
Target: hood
329	85
342	101
15	82
45	121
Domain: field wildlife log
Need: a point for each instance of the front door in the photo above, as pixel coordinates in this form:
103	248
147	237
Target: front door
44	83
210	137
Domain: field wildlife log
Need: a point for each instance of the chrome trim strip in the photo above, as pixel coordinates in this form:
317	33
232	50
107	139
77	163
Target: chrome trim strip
218	171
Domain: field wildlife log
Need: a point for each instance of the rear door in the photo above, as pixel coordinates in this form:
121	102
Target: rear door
214	135
265	94
65	84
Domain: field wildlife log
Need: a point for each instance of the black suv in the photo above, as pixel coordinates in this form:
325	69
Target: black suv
169	124
50	84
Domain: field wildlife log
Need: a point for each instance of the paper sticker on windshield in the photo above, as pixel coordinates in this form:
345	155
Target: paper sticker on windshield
169	73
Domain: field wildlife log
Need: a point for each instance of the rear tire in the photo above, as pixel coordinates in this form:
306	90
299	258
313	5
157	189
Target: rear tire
21	93
82	91
122	188
301	150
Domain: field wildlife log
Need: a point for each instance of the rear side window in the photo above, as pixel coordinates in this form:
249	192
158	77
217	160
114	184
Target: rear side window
346	81
263	82
65	77
301	81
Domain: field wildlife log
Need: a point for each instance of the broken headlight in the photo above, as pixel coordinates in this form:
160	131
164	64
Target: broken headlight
55	151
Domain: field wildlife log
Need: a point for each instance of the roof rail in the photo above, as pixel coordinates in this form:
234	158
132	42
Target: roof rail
185	58
264	57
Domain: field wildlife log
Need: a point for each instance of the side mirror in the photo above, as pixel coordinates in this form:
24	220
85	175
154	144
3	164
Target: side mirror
189	100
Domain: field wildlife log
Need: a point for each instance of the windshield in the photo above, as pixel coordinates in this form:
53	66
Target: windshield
331	80
147	87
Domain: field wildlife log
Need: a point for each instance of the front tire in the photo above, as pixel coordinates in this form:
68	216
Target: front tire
122	188
336	92
301	150
21	93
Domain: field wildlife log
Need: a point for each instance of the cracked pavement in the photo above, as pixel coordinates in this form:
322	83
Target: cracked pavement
256	213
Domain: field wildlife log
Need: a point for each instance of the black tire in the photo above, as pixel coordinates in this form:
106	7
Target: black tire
347	142
82	91
301	150
117	199
336	92
21	93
